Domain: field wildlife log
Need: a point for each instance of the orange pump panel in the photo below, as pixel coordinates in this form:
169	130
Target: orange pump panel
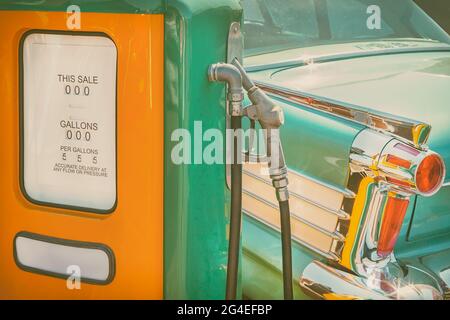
134	231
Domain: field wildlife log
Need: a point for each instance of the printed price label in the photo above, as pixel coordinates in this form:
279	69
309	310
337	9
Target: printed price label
69	120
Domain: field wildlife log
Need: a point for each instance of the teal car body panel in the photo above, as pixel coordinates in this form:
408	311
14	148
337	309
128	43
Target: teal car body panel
431	217
410	84
262	271
390	83
318	145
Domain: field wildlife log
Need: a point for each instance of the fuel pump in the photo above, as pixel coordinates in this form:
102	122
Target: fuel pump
271	118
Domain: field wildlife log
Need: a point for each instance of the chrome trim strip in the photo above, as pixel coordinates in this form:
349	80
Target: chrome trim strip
328	255
295	63
339	213
334	235
411	130
347	193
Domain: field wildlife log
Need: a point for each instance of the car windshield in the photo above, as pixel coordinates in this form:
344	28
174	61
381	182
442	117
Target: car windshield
276	25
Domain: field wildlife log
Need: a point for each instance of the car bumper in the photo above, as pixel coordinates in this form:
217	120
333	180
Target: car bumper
326	282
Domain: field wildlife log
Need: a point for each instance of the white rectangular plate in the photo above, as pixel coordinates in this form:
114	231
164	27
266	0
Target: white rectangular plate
69	120
64	258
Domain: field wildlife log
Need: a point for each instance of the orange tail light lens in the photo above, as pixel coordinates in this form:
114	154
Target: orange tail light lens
430	174
394	214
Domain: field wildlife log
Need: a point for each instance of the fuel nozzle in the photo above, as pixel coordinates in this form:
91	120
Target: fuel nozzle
270	116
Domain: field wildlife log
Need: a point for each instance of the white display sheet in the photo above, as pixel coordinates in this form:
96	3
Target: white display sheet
69	120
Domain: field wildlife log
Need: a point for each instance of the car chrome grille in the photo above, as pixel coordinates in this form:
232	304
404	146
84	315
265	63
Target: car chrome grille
316	208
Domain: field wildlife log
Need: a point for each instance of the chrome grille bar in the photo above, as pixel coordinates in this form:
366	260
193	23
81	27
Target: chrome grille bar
342	215
332	234
316	208
327	254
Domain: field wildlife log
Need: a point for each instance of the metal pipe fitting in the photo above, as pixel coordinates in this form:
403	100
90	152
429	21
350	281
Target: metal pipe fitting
223	72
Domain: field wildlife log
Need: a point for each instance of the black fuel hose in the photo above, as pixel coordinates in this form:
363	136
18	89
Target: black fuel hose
235	213
286	249
280	183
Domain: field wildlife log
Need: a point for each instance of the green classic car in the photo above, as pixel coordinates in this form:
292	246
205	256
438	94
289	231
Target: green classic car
364	86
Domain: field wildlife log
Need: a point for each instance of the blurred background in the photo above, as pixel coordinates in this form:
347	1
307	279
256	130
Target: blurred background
439	10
